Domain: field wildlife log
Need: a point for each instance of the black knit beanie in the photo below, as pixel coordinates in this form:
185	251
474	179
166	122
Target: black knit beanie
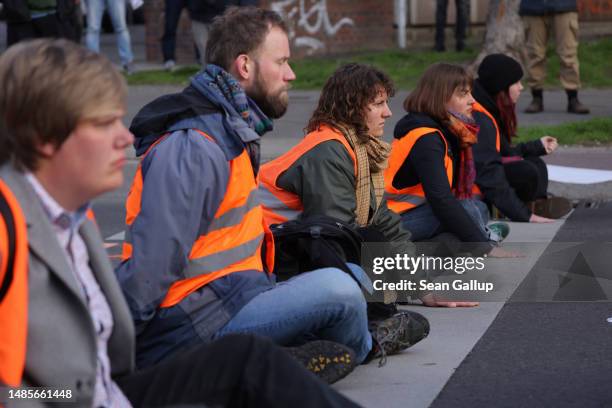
497	72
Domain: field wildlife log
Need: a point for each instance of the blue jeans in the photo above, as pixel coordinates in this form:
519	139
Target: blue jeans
423	223
325	303
116	10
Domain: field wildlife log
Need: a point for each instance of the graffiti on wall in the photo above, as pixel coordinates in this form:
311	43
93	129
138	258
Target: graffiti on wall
595	7
310	16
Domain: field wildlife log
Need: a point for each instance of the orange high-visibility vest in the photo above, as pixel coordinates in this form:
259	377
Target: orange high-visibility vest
404	199
233	241
13	288
280	205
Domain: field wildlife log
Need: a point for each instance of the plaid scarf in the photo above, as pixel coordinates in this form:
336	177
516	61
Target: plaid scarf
371	155
224	84
227	86
466	131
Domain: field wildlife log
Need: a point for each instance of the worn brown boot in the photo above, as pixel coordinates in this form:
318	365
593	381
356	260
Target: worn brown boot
573	104
537	103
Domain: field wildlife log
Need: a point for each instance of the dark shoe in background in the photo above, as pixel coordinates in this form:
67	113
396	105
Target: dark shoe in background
397	333
552	207
327	360
536	105
439	47
575	106
129	69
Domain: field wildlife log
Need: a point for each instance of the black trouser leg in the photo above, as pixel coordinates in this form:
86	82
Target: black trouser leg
441	6
523	176
171	19
542	187
235	371
463	10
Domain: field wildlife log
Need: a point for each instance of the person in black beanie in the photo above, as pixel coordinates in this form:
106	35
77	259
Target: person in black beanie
513	178
541	18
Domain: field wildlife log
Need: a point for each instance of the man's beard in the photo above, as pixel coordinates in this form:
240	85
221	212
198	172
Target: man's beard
273	105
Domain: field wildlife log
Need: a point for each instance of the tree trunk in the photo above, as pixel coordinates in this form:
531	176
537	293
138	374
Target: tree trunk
505	32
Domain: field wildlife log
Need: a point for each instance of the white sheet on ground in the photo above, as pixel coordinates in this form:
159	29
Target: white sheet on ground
577	175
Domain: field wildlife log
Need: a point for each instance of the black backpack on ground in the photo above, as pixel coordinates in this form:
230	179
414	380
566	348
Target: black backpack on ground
322	242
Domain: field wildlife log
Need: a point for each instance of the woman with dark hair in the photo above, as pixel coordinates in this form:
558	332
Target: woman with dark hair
511	177
430	179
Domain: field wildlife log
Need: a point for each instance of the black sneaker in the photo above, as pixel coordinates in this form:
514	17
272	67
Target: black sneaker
328	360
397	333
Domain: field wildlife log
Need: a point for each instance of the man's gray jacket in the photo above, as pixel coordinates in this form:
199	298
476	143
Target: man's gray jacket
61	339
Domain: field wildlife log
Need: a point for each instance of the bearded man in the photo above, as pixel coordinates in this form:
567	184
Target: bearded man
197	259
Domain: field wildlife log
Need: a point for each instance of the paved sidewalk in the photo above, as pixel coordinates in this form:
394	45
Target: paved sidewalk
415	377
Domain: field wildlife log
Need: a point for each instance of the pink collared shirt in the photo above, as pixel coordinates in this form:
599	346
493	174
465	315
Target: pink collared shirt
66	227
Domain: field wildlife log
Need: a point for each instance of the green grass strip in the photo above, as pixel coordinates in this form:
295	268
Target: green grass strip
592	132
406	66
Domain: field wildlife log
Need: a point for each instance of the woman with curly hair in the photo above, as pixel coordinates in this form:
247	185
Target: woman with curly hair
337	169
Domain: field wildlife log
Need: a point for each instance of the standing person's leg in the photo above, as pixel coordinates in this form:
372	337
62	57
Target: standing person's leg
200	37
441	6
172	15
116	10
566	43
236	371
326	303
536	38
463	16
95	10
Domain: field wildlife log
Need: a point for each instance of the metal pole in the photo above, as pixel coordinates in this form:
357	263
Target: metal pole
400	17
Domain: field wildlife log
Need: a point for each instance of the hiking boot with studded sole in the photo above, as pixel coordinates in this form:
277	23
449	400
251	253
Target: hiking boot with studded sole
327	360
397	333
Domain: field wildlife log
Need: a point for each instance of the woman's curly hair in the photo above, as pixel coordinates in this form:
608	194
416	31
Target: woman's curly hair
345	96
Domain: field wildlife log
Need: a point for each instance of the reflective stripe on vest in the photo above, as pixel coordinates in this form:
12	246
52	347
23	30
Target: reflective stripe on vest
232	241
402	200
280	205
13	288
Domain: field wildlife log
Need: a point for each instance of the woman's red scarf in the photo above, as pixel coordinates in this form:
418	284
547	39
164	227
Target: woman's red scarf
466	131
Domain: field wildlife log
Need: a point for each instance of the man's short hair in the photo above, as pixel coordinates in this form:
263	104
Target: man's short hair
46	87
240	30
